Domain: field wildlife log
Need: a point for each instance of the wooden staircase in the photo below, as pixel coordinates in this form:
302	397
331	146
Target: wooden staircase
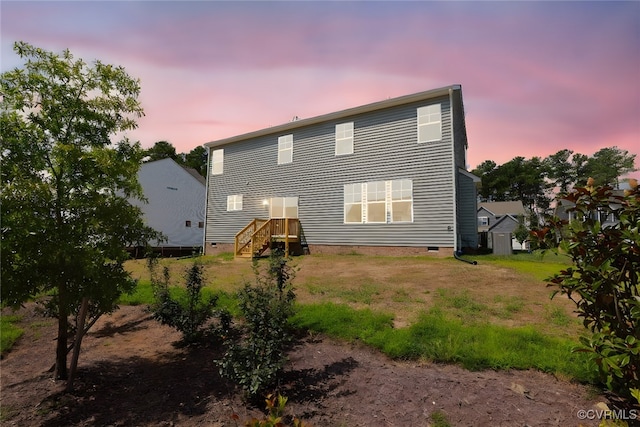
262	234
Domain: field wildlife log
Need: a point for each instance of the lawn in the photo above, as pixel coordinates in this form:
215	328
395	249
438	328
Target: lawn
497	314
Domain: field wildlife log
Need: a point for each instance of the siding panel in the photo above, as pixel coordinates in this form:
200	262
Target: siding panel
385	148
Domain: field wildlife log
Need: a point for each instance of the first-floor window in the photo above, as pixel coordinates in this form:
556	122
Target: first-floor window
379	202
234	202
353	203
283	207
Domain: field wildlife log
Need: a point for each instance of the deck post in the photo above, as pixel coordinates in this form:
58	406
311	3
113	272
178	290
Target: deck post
286	236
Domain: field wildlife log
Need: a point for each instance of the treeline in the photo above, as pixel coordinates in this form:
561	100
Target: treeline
195	159
537	181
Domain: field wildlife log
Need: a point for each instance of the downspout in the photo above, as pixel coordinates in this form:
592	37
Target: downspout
456	252
206	203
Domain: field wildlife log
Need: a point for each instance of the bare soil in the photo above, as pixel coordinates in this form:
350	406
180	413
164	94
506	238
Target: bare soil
132	373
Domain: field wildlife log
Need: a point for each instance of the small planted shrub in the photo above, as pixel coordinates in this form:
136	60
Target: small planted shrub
257	357
275	414
189	313
604	279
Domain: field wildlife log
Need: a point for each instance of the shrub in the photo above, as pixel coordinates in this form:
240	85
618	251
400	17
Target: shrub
275	417
255	360
189	314
603	281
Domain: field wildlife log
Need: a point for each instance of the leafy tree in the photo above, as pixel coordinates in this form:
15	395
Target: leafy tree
484	168
66	221
197	159
604	279
608	164
162	150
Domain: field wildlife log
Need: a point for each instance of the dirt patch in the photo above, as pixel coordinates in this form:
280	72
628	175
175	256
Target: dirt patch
132	373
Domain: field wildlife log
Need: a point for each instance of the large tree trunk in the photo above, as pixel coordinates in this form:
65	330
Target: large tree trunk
78	342
63	328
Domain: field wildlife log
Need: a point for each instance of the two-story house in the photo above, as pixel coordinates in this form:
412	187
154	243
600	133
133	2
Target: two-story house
387	177
175	205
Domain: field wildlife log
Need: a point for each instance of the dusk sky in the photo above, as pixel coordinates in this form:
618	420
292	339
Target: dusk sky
536	77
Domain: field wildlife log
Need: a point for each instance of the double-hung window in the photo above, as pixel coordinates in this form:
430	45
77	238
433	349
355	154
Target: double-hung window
430	123
379	202
285	149
376	202
344	138
234	202
402	200
217	162
353	203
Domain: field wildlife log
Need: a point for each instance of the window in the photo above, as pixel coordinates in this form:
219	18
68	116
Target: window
217	160
429	123
376	202
187	223
402	200
353	203
483	221
285	149
344	138
283	207
379	202
234	203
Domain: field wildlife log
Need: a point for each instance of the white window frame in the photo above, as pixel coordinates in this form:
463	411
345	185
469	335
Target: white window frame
429	123
284	208
401	192
383	193
483	221
285	149
217	161
234	202
353	197
344	139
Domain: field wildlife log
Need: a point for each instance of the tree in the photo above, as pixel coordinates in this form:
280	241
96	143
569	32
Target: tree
560	170
604	279
162	150
66	219
608	164
197	159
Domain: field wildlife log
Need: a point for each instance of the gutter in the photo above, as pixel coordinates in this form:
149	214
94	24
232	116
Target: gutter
206	202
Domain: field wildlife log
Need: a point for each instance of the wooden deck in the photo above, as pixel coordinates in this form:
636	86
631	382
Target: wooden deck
260	235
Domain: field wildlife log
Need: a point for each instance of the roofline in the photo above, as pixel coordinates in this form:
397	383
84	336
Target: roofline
387	103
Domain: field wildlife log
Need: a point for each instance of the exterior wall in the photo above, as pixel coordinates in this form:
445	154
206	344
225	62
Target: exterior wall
385	148
174	197
467	208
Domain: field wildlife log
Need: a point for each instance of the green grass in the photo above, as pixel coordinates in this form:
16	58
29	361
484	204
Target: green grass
441	338
9	332
533	264
439	419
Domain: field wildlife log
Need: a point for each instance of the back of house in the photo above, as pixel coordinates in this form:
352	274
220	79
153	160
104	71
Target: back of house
387	177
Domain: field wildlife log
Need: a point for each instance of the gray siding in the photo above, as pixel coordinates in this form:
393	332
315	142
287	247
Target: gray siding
174	196
385	148
467	208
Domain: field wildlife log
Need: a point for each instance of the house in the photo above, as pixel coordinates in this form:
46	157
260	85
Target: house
500	219
176	205
386	177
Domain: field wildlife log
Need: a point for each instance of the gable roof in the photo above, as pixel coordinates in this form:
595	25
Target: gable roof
194	173
503	208
387	103
504	219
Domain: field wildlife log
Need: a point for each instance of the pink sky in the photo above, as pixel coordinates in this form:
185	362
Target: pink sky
537	77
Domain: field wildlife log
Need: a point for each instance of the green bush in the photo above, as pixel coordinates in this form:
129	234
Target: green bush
603	281
188	314
256	359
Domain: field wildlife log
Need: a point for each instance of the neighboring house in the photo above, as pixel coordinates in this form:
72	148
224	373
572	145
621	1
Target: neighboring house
176	204
387	177
563	210
499	219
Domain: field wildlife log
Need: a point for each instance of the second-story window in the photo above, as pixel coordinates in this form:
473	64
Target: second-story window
285	149
344	138
429	123
217	161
